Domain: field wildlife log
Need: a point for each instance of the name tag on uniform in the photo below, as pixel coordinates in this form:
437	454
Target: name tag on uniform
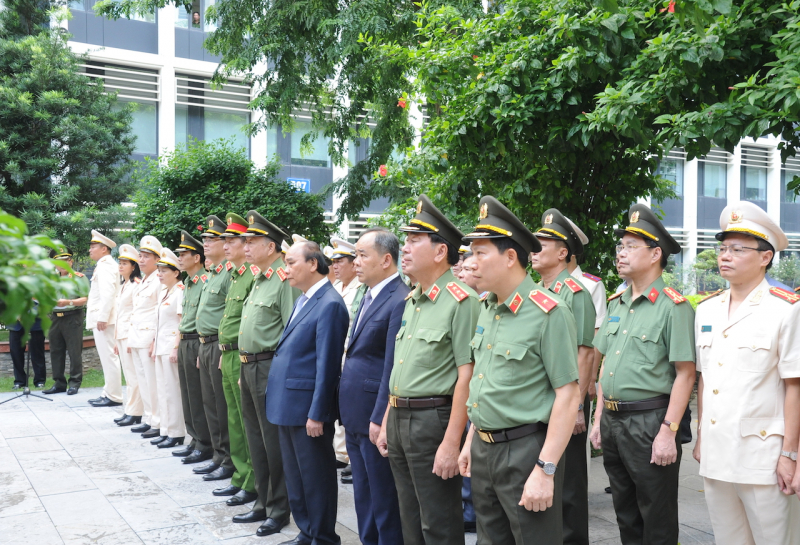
479	330
613	318
705	328
404	323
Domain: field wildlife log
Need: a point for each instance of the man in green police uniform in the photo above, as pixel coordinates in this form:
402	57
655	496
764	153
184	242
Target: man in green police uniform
239	284
209	314
560	243
429	384
265	314
645	382
523	392
190	260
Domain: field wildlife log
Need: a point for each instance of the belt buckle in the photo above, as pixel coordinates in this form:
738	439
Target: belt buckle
612	405
60	314
242	358
202	341
393	401
486	436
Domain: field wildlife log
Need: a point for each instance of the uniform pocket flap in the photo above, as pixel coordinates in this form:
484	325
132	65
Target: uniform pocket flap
611	328
761	427
476	342
510	351
400	333
704	339
431	335
372	386
648	334
300	383
755	342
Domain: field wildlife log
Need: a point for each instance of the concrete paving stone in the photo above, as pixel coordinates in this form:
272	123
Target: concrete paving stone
88	517
152	513
26	529
54	473
217	519
21	424
105	464
130	486
18	497
142	450
178	481
188	534
23	446
89	443
84	534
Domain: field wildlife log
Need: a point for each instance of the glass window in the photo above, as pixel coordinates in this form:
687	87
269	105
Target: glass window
208	25
713	180
754	183
77	4
672	170
181	126
317	156
144	126
787	195
191	17
208	124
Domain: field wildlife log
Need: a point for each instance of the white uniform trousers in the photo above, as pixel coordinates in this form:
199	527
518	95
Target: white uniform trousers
752	514
133	404
170	407
146	375
104	342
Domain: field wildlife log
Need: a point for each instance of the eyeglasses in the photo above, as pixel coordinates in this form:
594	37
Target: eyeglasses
631	247
737	250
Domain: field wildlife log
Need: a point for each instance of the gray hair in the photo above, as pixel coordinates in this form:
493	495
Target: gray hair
386	242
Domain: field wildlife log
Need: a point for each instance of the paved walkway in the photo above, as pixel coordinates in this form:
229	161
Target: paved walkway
68	474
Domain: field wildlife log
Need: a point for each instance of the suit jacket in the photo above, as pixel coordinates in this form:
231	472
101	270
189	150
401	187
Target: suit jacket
364	388
305	369
105	285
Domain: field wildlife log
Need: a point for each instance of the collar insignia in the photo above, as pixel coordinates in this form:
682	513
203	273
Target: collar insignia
254	269
268	273
228	266
204	278
434	293
241	269
195	279
515	303
653	295
557	287
219	268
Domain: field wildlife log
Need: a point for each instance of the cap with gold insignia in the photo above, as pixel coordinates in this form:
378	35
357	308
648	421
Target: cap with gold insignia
497	221
748	218
126	251
432	222
168	259
556	226
149	243
236	225
644	223
62	252
189	243
214	227
298	238
327	251
342	248
100	239
284	246
581	235
464	249
259	226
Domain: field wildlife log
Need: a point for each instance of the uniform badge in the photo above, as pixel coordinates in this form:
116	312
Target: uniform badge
219	268
183	237
542	301
210	224
736	216
548	219
251	219
281	274
674	295
204	278
557	287
195	279
419	207
484	211
434	293
515	303
705	329
456	291
635	217
254	269
574	286
479	330
228	266
241	269
269	272
613	319
785	295
230	220
653	295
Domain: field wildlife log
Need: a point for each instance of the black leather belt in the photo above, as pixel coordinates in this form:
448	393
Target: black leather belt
228	347
246	357
503	436
209	339
659	402
420	402
67	313
186	336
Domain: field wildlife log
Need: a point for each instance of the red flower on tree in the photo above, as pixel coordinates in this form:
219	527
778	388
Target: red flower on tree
670	8
382	170
200	228
402	103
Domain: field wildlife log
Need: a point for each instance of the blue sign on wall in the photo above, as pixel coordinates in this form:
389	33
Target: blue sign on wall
301	184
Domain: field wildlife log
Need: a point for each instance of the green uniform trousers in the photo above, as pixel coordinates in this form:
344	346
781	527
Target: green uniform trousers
263	442
499	473
645	495
575	494
194	416
215	406
66	336
430	507
240	454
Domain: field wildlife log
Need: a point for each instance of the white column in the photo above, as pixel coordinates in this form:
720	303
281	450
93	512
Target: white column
166	108
690	209
735	176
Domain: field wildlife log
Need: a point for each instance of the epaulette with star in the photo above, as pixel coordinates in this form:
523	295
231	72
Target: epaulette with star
572	285
456	291
181	286
543	301
787	296
797	289
618	294
281	274
710	296
592	277
676	297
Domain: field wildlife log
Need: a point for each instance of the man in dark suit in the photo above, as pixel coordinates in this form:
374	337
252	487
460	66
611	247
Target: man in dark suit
364	388
301	394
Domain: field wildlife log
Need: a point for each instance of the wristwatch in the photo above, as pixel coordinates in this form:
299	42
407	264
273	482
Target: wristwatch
673	426
549	468
789	454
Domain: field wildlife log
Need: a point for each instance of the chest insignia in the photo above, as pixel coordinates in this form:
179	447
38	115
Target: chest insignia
592	277
204	278
705	328
195	279
254	269
219	268
434	293
787	296
543	301
228	266
456	291
613	318
653	295
268	273
557	287
516	302
574	286
281	274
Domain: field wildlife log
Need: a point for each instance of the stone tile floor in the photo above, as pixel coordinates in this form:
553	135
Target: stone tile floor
69	475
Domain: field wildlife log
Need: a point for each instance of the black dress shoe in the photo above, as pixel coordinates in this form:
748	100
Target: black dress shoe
72	391
196	457
107	403
171	442
242	497
158	439
269	527
54	390
203	470
299	540
229	490
219	474
347	471
120	418
185	451
130	421
347	479
608	490
141	428
152	432
251	516
341	465
97	399
470	527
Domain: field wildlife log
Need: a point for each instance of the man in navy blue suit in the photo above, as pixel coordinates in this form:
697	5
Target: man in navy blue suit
364	388
301	394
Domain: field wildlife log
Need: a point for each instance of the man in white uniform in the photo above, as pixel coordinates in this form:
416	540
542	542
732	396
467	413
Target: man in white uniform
100	317
748	351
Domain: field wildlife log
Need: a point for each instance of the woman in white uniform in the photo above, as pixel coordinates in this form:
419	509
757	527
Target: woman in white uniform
165	353
131	278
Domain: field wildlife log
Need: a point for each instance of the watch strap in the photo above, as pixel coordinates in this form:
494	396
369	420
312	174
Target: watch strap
792	455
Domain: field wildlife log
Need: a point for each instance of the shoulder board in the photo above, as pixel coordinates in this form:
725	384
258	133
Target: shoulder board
228	266
592	277
543	301
785	295
408	295
456	291
195	279
181	286
204	278
268	273
557	287
138	280
281	274
516	302
574	286
254	269
615	296
219	268
485	295
709	296
797	289
674	295
79	274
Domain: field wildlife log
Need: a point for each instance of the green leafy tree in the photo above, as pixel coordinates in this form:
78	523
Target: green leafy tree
64	143
216	178
787	270
706	270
